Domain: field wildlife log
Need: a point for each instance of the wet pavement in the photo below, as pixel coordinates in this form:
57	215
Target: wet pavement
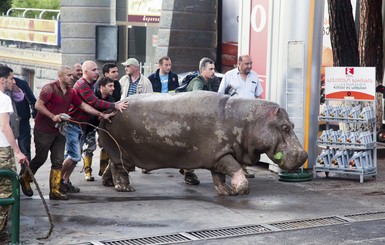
164	204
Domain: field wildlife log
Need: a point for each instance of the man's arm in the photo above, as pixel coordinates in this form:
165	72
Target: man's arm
258	89
223	85
29	96
197	84
89	109
7	131
17	93
40	107
87	95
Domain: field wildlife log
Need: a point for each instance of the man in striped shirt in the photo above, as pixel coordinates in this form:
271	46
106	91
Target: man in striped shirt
134	82
85	90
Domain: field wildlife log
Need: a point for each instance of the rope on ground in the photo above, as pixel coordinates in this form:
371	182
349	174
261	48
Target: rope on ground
44	203
38	187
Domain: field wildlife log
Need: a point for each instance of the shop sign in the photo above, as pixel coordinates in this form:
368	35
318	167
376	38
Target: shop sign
350	83
144	11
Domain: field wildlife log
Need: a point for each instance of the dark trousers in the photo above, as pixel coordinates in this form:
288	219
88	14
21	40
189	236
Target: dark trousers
24	139
44	143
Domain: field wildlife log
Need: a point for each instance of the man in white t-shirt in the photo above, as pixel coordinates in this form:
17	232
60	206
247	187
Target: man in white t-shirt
242	82
8	146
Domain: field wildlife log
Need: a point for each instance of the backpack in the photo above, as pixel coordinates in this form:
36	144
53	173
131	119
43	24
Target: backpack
186	81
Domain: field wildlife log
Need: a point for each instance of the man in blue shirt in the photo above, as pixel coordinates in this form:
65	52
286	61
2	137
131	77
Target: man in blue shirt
164	80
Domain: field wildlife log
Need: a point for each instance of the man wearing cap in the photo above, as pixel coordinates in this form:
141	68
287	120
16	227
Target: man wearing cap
131	83
134	82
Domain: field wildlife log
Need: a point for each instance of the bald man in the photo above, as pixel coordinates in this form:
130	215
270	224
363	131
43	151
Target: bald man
84	88
55	98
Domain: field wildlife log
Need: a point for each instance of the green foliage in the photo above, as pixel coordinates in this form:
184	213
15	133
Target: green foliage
36	4
5	5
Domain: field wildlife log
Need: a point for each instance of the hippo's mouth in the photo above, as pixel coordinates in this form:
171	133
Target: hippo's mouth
278	156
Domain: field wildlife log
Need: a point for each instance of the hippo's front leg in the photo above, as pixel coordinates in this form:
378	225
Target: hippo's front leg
220	185
121	178
229	166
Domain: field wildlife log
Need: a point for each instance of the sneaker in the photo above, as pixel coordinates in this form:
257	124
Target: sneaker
191	179
69	188
63	187
72	188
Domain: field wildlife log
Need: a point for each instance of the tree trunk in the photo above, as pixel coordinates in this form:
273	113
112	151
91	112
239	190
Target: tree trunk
371	44
343	33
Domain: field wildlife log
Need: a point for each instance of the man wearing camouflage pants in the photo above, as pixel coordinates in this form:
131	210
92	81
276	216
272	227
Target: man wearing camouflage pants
8	147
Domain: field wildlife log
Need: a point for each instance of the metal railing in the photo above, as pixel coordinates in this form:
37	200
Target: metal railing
42	11
14	201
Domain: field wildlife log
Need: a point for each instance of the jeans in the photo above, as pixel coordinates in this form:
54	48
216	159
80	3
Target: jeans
75	139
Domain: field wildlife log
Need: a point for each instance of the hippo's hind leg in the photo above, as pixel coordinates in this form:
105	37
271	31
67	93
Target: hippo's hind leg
220	184
107	176
121	178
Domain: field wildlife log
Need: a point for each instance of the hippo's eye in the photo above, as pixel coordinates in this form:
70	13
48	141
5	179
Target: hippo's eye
285	128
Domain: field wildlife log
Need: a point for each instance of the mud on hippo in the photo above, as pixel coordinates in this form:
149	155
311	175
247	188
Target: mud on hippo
200	129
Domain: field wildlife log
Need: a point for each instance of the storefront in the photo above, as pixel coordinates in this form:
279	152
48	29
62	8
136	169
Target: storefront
284	39
138	30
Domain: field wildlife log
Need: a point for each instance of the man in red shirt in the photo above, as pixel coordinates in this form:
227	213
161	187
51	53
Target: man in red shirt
55	98
75	133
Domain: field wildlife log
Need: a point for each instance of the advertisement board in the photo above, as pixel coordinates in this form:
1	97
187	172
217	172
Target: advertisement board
350	83
144	11
29	30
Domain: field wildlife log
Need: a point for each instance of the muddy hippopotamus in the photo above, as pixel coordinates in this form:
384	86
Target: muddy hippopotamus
201	129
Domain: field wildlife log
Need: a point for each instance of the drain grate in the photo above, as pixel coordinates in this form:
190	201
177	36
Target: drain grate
244	230
308	223
229	232
166	239
367	216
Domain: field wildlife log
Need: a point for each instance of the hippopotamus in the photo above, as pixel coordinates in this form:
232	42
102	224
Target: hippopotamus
201	130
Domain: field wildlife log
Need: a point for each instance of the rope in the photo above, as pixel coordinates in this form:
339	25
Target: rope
38	187
44	203
108	133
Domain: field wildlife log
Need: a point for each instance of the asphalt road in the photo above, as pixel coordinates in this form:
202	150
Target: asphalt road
163	206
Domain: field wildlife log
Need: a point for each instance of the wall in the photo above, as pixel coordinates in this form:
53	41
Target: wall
42	65
187	33
78	22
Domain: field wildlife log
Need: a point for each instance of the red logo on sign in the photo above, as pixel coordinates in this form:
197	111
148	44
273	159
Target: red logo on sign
349	71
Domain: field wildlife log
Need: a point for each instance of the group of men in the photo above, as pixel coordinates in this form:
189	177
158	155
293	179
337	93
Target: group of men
81	98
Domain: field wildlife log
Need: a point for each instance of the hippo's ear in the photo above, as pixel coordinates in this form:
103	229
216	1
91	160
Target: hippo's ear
273	112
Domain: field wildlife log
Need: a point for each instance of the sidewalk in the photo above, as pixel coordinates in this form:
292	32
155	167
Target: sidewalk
164	204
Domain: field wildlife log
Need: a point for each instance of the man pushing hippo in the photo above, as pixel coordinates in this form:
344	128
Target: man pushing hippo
202	130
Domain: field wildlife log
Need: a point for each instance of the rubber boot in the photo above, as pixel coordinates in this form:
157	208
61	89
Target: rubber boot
87	168
103	162
25	183
54	186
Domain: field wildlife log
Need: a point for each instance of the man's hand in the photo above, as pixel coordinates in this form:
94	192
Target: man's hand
107	116
121	105
22	158
61	117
